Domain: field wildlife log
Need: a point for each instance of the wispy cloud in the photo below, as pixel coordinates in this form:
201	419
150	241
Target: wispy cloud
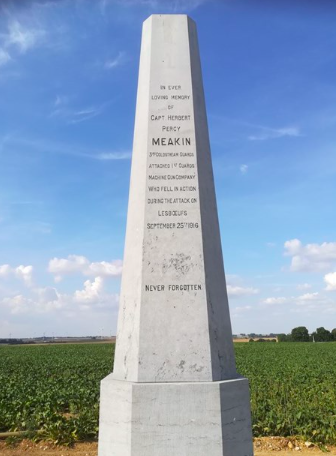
304	286
273	133
60	100
76	115
243	169
24	203
86	114
234	291
314	302
43	146
116	62
241	310
23	38
186	5
236	288
172	6
255	132
114	156
18	39
26	26
4	57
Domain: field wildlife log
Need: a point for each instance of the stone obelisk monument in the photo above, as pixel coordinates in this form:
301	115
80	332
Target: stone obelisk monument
174	390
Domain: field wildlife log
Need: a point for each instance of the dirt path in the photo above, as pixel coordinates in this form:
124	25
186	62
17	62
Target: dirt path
262	447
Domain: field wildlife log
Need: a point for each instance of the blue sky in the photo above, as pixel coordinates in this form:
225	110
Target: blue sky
68	80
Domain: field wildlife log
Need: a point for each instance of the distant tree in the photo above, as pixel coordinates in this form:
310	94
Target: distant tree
251	340
300	334
322	335
333	332
282	338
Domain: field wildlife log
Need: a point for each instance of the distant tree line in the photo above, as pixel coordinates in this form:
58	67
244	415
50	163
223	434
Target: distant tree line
262	340
13	341
301	334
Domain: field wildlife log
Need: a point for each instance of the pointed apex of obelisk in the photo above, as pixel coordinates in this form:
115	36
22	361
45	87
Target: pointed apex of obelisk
170	16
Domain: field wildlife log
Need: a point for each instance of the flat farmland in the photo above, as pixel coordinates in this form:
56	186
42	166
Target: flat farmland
54	389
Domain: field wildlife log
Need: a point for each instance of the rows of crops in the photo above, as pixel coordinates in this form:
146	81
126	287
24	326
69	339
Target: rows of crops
55	389
293	388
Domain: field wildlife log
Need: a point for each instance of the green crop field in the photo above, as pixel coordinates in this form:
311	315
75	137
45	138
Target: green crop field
55	389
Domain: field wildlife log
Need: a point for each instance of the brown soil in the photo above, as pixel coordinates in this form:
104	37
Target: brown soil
266	446
262	447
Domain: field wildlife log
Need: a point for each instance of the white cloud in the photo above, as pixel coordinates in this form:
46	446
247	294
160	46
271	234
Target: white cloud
18	304
243	169
74	263
80	264
4	57
309	303
41	300
23	273
303	286
307	297
317	303
5	270
234	291
49	299
273	133
93	296
299	300
22	38
330	280
275	300
310	257
91	292
235	287
47	294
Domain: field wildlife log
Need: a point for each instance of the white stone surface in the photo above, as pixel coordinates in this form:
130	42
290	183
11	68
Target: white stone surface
166	333
175	419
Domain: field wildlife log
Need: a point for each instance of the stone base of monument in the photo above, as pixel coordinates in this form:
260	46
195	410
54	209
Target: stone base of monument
175	419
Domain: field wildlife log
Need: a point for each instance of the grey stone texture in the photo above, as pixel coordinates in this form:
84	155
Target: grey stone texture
174	390
164	334
180	419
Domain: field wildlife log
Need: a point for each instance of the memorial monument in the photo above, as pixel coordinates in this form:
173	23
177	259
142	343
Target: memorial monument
174	390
